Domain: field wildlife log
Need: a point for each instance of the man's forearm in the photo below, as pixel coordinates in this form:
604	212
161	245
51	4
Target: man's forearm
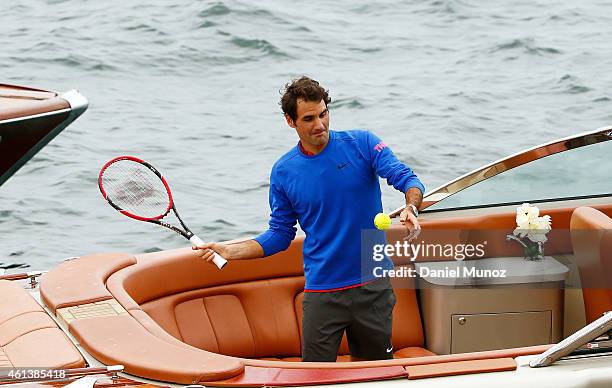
414	197
244	250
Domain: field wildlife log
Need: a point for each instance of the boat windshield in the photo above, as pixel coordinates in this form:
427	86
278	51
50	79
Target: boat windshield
582	172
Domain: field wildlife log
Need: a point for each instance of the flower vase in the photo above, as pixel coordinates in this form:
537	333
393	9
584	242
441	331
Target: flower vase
533	251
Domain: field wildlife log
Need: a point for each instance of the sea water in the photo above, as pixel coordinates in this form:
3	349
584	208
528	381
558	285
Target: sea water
193	87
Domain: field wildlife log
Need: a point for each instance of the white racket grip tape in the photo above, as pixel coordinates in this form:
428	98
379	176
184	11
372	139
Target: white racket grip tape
219	261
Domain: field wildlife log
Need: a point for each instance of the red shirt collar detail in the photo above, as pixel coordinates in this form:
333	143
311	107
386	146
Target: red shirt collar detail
307	153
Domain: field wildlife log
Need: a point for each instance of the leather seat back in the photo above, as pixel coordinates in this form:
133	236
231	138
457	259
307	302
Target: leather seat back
252	319
261	318
247	310
591	232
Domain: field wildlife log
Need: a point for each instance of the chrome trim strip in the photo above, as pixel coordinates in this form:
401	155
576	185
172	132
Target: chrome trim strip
53	112
529	155
77	102
486	211
534	201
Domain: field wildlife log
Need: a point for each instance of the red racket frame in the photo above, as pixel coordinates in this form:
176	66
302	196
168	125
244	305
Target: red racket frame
125	212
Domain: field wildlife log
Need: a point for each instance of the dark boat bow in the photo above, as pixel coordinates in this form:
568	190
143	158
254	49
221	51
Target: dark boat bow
29	120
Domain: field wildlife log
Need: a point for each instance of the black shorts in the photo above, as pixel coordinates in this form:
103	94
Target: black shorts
365	312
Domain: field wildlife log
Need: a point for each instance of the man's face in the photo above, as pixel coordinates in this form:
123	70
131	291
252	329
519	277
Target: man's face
311	124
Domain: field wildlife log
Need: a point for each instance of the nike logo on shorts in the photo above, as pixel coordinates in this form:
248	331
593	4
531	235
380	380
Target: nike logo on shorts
389	350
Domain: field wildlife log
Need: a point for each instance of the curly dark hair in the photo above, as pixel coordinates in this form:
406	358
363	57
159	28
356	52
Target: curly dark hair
301	88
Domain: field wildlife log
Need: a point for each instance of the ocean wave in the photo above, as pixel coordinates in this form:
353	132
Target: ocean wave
571	85
206	24
258	187
366	49
602	99
144	27
526	45
260	45
351	103
70	61
184	59
233	137
249	12
217	9
5	214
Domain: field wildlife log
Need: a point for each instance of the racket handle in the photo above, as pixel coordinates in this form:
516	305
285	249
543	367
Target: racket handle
219	261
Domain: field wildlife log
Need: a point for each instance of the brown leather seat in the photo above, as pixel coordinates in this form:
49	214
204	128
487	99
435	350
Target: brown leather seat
257	319
262	319
28	336
251	319
591	232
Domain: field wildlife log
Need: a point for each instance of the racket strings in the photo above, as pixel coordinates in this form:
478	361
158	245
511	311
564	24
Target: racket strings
135	188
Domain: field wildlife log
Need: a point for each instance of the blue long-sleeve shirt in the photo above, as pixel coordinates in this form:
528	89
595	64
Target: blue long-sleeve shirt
334	195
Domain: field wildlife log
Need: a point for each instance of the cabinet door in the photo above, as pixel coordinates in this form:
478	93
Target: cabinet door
476	332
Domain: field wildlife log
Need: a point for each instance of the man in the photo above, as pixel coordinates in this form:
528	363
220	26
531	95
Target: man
329	183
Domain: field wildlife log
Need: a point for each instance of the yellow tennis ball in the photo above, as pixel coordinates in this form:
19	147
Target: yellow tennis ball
382	221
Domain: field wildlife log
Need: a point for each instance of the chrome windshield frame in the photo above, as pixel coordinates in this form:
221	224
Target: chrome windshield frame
588	333
515	160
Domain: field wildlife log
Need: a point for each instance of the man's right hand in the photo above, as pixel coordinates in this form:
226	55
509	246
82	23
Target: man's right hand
209	250
243	250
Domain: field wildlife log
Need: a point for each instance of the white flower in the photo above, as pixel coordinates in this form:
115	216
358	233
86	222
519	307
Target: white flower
530	225
544	222
526	210
522	221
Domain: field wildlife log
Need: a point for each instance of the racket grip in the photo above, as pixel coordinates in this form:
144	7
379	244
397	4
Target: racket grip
219	261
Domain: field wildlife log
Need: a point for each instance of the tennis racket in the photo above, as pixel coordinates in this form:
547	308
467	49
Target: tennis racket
137	190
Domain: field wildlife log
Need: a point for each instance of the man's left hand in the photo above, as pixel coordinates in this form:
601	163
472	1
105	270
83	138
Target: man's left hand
411	223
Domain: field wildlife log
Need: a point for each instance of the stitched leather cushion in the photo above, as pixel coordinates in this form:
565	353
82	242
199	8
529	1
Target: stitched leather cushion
592	242
28	336
262	319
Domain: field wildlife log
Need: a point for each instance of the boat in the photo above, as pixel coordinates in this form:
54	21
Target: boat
29	120
168	318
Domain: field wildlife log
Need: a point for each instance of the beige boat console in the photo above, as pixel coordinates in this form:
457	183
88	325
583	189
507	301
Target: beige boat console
492	303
